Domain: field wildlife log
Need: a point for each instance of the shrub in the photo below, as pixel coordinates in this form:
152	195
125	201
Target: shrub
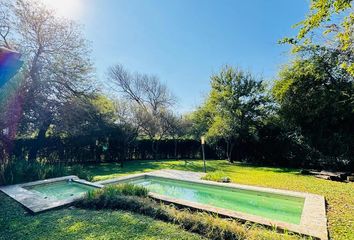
218	176
80	171
131	190
18	171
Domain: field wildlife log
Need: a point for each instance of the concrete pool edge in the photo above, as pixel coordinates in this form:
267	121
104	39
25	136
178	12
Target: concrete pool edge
34	202
313	220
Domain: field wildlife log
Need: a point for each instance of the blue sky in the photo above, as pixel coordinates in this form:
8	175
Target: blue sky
185	41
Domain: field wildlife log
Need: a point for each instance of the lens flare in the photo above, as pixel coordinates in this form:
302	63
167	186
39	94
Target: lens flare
9	64
11	98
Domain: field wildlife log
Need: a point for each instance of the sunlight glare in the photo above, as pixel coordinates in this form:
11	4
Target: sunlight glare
72	9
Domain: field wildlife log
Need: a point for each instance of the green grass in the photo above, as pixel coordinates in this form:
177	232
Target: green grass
62	224
86	224
111	170
339	196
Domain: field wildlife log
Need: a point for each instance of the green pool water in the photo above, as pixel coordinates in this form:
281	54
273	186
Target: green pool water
272	206
61	190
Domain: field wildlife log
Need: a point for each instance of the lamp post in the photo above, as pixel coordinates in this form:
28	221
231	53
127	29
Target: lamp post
203	143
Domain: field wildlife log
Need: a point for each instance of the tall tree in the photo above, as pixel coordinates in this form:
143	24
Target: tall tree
234	108
149	100
316	95
178	127
57	66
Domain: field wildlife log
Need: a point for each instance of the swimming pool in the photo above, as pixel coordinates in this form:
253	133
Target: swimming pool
268	205
284	210
43	195
61	190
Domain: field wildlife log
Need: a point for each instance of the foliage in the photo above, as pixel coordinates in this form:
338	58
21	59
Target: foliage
60	224
234	109
218	176
150	103
336	20
56	72
80	171
316	98
114	199
111	191
19	171
109	147
75	154
87	114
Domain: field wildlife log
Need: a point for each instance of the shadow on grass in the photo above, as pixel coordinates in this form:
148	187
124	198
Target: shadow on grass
130	167
102	171
260	167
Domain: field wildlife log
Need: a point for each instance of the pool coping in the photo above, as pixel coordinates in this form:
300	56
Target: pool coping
313	219
34	202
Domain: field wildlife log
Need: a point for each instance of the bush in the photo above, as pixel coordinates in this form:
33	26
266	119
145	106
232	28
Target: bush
207	225
218	176
113	197
80	171
131	190
96	148
126	189
18	171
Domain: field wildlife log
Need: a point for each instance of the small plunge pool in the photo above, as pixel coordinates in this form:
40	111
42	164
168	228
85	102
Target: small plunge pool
268	205
61	190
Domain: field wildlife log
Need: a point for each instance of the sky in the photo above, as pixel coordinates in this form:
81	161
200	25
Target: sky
184	42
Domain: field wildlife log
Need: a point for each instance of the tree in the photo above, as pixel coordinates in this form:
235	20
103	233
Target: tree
89	113
335	22
178	127
149	100
5	25
127	122
57	68
234	108
317	96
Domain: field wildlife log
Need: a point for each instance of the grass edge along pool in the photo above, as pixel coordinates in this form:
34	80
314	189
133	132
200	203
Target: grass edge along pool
272	206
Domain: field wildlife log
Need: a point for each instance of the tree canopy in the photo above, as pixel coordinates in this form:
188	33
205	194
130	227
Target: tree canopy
233	109
317	95
330	22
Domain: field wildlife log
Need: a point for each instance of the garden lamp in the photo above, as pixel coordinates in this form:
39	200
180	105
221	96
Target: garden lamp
202	139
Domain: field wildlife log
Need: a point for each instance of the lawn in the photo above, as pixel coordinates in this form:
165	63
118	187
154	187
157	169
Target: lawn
16	223
85	224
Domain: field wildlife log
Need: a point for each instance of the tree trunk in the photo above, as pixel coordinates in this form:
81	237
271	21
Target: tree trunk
38	142
176	145
154	148
229	148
